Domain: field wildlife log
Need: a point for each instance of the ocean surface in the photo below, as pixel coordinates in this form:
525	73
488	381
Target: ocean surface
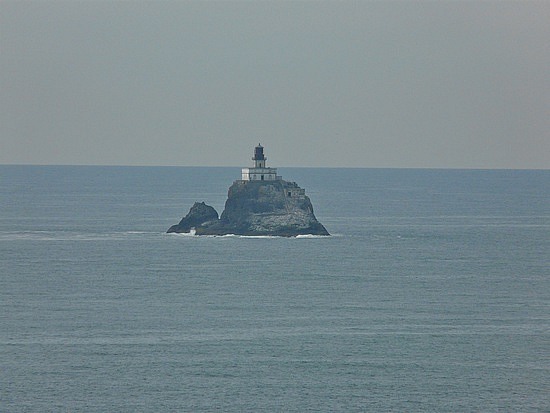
432	295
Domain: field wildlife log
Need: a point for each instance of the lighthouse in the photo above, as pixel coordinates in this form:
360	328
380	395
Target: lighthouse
259	157
259	172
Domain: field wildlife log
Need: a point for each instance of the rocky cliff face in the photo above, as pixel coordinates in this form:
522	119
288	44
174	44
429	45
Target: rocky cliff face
277	208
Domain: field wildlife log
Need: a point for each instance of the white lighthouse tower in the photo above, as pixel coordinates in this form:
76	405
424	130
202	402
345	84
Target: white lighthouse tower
259	172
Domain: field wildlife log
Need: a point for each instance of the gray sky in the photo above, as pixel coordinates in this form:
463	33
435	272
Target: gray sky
363	84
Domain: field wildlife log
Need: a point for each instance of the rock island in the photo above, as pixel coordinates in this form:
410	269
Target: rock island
260	203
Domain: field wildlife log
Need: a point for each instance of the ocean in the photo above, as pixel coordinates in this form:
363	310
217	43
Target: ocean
431	295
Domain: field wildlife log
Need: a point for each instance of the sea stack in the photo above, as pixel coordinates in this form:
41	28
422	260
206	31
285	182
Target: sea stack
260	203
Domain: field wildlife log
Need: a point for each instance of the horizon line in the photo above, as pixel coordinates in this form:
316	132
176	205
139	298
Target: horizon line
288	166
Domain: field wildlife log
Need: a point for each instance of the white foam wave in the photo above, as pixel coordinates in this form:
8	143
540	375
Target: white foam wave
125	235
69	235
236	236
181	234
255	236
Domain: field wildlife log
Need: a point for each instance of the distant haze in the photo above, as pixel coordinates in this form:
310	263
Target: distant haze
341	83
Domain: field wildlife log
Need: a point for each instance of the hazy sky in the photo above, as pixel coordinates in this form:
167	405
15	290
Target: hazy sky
340	83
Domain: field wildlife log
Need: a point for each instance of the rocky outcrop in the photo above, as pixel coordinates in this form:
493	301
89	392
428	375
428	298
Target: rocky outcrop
199	215
278	208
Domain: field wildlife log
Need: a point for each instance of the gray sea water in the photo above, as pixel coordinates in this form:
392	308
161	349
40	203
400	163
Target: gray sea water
432	295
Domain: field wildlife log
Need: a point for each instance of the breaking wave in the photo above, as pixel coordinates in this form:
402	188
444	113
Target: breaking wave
305	236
